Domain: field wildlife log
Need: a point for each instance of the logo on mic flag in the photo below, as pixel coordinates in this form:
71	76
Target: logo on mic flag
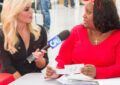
55	41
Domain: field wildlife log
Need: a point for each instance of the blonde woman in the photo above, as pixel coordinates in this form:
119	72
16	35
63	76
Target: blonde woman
19	38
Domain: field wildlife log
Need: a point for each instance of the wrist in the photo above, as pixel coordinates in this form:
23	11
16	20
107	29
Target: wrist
41	63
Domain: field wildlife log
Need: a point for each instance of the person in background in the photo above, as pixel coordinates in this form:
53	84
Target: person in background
44	5
19	38
1	1
95	43
71	1
81	2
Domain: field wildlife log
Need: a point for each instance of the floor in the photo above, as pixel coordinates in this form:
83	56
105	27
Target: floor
62	18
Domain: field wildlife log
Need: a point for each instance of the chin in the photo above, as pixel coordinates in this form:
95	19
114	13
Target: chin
29	22
85	25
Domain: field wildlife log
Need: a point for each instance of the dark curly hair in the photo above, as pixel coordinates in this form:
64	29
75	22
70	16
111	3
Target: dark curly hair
105	16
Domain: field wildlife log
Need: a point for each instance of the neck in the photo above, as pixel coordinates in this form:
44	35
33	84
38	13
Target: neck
95	32
21	27
97	37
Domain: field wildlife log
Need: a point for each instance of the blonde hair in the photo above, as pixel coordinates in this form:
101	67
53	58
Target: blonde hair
11	8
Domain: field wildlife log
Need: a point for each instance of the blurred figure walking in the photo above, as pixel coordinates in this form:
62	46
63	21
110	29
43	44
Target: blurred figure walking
71	1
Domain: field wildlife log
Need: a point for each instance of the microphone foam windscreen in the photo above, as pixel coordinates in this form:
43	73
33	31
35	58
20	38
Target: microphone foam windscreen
64	34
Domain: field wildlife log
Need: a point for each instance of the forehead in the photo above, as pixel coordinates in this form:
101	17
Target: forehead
89	6
28	4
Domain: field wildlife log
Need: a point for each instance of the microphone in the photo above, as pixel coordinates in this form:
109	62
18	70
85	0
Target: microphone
54	42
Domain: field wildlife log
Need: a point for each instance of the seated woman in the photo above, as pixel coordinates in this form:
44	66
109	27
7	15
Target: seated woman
96	43
19	37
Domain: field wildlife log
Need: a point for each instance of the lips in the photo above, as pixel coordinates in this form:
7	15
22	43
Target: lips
85	21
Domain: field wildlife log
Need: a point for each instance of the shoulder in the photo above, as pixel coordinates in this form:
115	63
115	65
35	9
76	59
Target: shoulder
78	29
42	29
116	33
115	36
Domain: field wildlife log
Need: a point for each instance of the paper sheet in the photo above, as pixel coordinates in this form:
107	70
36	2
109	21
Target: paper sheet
70	69
77	79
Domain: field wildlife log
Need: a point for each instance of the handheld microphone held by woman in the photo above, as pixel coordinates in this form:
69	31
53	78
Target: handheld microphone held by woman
55	41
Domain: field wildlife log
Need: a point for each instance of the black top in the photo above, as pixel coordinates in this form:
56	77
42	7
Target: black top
1	1
17	62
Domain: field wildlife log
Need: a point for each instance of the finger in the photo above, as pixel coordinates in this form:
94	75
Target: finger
46	77
49	68
48	74
35	55
38	55
89	65
82	70
85	71
37	50
44	51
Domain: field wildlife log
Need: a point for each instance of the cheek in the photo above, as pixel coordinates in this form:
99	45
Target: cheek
91	20
22	17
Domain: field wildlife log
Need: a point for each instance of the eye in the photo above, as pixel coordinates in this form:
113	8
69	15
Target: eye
89	12
27	9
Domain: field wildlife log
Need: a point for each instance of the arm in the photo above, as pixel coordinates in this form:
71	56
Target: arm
5	58
65	54
42	62
110	71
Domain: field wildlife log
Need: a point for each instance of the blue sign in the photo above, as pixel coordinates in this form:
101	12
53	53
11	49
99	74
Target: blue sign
55	41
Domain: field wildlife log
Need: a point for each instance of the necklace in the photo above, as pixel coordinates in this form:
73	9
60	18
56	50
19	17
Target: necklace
98	39
96	42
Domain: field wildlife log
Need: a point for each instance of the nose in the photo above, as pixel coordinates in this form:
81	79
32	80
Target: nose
84	15
31	11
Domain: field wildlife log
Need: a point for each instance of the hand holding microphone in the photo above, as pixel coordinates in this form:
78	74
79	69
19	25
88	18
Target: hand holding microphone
39	59
54	42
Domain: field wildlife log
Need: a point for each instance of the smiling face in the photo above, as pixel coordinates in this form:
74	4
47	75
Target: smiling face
88	16
25	16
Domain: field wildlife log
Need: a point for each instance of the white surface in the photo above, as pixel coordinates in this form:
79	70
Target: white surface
69	79
38	79
34	79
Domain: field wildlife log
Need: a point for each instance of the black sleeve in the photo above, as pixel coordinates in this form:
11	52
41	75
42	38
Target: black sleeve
43	37
5	57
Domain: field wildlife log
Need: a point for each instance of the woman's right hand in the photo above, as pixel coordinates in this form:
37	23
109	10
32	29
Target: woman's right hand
50	73
16	75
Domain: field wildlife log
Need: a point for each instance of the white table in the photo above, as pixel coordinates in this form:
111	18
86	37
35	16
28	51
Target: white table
34	79
38	79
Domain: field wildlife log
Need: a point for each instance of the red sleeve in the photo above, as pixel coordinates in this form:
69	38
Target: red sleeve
65	53
110	71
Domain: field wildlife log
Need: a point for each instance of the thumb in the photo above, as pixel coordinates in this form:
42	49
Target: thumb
37	50
49	67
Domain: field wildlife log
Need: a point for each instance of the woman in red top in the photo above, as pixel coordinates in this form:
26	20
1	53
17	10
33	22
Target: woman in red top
96	43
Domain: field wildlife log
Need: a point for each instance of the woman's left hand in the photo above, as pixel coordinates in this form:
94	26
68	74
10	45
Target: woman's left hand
89	70
40	60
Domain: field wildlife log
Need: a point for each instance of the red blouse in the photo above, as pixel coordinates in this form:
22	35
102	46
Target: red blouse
77	49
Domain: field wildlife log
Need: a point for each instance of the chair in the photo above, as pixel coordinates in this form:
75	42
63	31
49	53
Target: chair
5	78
